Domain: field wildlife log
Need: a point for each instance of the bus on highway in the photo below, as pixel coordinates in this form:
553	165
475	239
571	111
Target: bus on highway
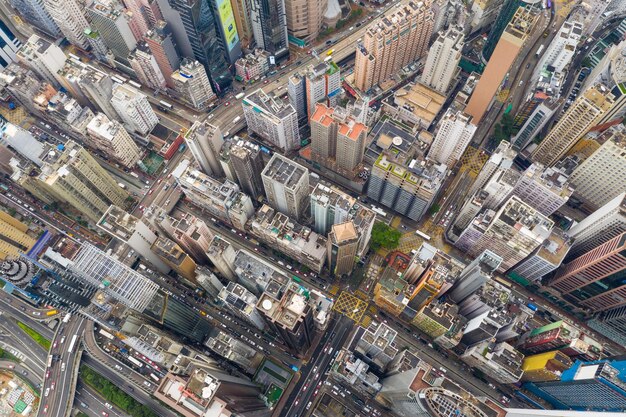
379	211
118	79
540	50
153	376
52	312
238	96
135	361
166	105
72	343
422	235
236	119
135	84
49	361
67	318
106	334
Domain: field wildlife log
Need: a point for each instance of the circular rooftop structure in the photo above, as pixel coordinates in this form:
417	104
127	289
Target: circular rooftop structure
439	402
397	141
266	304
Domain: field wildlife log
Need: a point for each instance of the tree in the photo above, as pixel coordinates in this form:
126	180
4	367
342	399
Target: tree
435	208
384	236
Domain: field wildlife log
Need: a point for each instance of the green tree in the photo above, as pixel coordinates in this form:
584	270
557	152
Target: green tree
435	208
384	236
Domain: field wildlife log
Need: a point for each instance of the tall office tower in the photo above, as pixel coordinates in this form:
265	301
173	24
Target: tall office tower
175	257
468	212
499	361
296	89
512	233
110	137
205	143
286	186
343	241
69	16
14	238
289	315
544	189
474	276
442	63
97	87
116	279
71	175
222	254
9	46
98	47
504	55
594	281
584	114
241	303
337	141
43	57
241	12
272	119
528	108
561	50
192	234
322	84
599	227
395	41
134	232
545	259
247	161
146	67
587	386
269	26
507	11
193	84
134	109
305	18
603	175
139	22
455	133
376	345
540	116
110	20
34	12
329	206
228	31
161	43
500	160
196	33
611	324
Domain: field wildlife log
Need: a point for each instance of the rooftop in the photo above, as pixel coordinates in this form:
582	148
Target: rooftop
272	107
284	171
118	222
424	102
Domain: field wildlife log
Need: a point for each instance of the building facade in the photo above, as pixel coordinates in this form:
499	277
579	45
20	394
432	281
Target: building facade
443	59
272	119
286	185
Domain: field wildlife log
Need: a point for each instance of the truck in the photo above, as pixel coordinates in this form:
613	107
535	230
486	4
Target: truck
122	186
532	306
236	119
238	96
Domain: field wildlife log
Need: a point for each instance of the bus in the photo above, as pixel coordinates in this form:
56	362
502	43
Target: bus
182	148
540	50
134	174
49	361
422	235
295	278
72	343
153	376
106	334
74	57
135	84
52	312
379	211
135	362
67	318
236	119
238	96
118	79
166	105
3	188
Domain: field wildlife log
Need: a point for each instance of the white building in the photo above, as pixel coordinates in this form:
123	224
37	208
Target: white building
43	57
193	84
272	119
10	46
500	160
286	186
110	137
145	65
22	142
454	134
322	84
134	109
546	258
443	60
563	47
70	18
205	143
544	189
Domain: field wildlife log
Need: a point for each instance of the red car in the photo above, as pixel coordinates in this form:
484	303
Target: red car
45	409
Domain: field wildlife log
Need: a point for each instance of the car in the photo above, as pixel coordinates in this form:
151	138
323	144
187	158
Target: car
47	374
52	386
150	192
45	409
36	313
227	103
265	81
105	414
109	406
47	392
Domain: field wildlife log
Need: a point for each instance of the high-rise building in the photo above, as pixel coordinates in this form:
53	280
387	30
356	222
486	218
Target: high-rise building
594	281
192	83
611	324
305	18
546	366
507	11
161	43
205	142
241	12
111	21
443	59
343	241
534	123
526	109
116	279
322	84
296	88
9	46
337	140
35	13
455	133
22	142
175	257
474	276
69	16
376	344
247	161
134	232
585	113
603	175
272	119
545	259
512	233
14	238
544	189
253	66
110	137
97	88
504	55
141	16
192	234
561	50
70	174
241	303
556	335
586	386
286	186
43	57
599	227
269	26
134	109
146	67
222	254
227	30
398	39
500	160
499	361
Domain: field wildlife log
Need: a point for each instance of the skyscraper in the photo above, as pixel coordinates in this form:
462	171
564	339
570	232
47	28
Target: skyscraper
562	49
134	109
393	42
322	84
305	25
111	21
474	276
110	137
455	133
247	161
14	238
272	119
43	57
343	241
70	18
534	123
97	87
545	259
286	186
205	143
35	13
269	25
544	189
161	43
296	89
585	113
504	55
443	59
192	83
146	67
9	46
611	324
508	9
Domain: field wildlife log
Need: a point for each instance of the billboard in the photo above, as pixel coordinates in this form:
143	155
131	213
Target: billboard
227	19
